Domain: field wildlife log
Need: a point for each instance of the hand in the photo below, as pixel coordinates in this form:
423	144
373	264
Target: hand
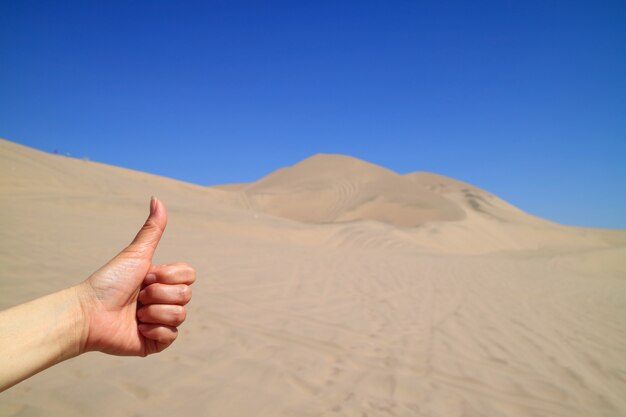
131	306
127	307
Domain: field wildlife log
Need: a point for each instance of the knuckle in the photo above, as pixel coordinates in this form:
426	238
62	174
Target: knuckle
179	315
173	333
186	271
185	293
168	336
192	274
151	290
151	226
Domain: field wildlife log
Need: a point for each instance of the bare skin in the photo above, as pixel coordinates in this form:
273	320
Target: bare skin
129	307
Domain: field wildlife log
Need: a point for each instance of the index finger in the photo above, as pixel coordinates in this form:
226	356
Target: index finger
177	273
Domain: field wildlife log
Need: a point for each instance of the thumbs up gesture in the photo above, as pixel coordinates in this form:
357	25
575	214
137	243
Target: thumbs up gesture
132	306
127	307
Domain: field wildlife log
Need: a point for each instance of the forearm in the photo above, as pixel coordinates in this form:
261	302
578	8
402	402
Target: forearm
39	334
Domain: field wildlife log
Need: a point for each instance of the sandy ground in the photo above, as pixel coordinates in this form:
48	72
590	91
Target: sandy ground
331	288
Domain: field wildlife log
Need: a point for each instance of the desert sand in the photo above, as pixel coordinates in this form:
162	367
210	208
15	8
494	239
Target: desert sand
331	288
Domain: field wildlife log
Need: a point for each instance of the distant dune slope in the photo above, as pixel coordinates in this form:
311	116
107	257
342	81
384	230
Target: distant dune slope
430	209
357	202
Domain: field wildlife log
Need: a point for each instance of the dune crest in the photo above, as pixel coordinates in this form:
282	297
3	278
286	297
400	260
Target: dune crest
337	188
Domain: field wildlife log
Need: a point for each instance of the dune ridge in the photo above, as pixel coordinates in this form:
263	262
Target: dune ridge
426	208
330	288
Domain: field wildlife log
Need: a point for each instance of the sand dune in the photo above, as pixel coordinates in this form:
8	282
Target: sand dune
330	288
335	188
422	208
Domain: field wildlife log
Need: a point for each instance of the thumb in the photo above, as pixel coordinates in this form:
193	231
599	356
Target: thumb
148	237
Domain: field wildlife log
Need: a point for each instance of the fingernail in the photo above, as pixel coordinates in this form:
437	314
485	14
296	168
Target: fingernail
153	201
150	279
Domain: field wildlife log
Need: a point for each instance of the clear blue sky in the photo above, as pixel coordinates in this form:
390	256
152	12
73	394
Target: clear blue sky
525	99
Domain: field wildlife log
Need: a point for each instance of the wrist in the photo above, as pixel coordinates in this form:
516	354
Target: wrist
82	294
